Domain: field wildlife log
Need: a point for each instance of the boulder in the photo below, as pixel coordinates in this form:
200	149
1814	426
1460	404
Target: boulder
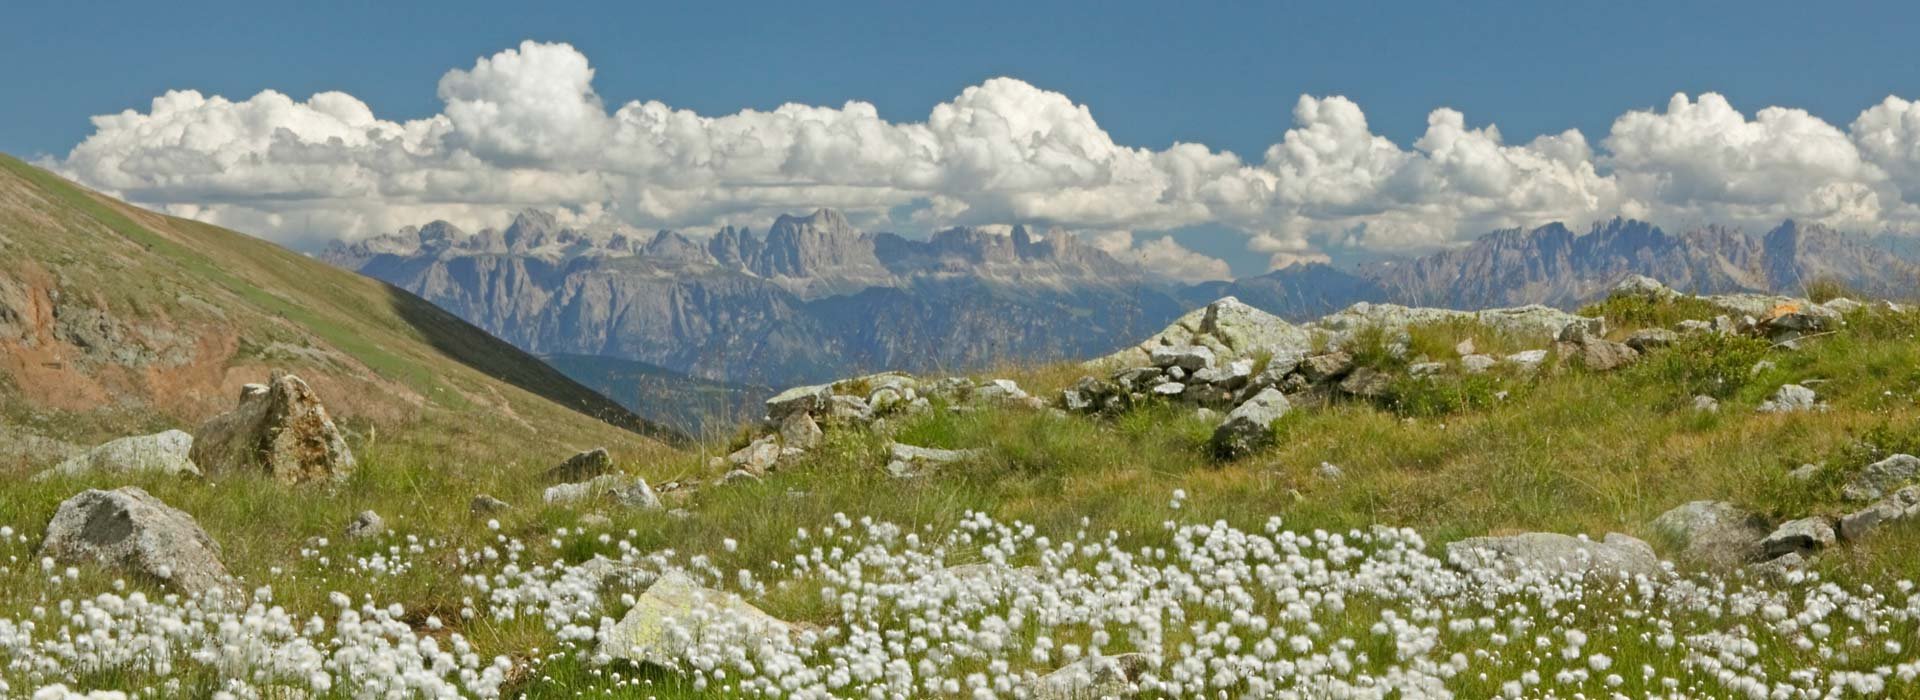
1598	354
279	428
365	525
1647	339
1806	536
676	615
1235	374
581	467
484	504
1476	364
759	456
1714	534
807	399
800	431
1191	358
129	530
1527	360
162	453
1881	477
1900	505
1115	676
1366	382
1325	366
1249	426
617	489
1231	329
1640	286
1791	398
1616	555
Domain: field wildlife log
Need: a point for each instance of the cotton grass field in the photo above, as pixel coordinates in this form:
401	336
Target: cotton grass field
1091	543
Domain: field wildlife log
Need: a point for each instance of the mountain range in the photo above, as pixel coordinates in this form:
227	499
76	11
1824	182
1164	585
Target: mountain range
814	298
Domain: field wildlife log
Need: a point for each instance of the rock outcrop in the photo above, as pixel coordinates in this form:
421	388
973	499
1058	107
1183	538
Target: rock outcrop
1552	553
279	428
168	452
675	614
129	530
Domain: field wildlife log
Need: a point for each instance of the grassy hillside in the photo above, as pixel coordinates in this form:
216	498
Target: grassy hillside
115	320
690	405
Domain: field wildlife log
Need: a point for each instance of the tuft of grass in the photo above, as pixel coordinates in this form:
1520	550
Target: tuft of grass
1630	312
1821	290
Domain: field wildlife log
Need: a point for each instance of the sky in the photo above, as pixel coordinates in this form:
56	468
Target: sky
1211	139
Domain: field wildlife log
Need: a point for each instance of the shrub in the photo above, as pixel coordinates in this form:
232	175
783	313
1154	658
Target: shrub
1712	364
1634	311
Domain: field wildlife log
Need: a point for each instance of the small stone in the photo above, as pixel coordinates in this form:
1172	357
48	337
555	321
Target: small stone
484	504
1329	471
1465	348
738	476
1804	472
366	524
1806	535
1426	369
1476	364
1706	404
1791	398
1326	366
1191	358
1647	339
1527	360
1169	390
1778	570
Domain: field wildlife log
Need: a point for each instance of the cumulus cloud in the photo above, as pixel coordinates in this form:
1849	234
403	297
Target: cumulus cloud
526	128
1164	256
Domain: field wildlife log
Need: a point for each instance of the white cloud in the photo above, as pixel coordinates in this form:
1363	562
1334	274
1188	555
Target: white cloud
525	128
1163	256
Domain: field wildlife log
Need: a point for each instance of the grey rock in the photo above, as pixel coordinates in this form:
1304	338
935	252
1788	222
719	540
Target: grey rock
1640	286
1900	505
1881	477
676	615
1779	570
1326	366
280	429
1426	369
1597	354
1329	471
365	525
595	521
1169	390
1714	534
738	476
1191	358
1249	426
1476	364
1527	360
1000	390
1647	339
931	455
1235	375
759	457
1691	326
1806	535
582	466
163	453
129	530
1465	348
1706	404
1615	555
1804	472
799	399
798	430
1093	677
1366	382
617	489
1228	327
484	504
848	409
1791	398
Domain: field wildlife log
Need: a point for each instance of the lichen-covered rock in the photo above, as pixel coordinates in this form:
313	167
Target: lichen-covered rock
1647	339
279	428
1900	505
1094	677
1791	398
582	466
128	529
800	431
1366	382
1714	534
758	457
805	399
1229	328
1249	426
1598	354
1881	477
484	504
1476	364
1615	555
1806	535
1325	366
168	452
676	615
616	489
365	525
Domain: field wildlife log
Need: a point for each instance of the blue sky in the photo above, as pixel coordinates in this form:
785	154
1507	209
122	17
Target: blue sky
1224	75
